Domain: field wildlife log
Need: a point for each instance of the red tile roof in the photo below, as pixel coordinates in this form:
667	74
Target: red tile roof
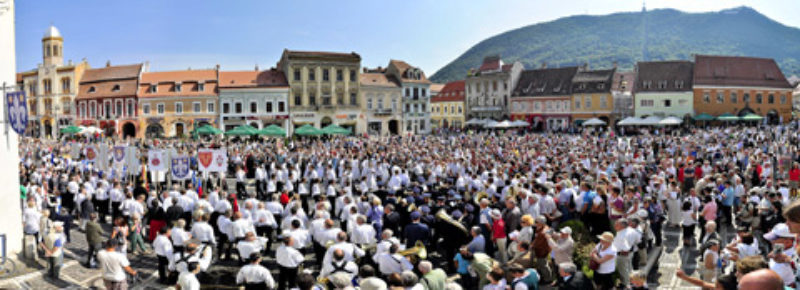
111	81
111	73
189	80
252	79
452	92
403	68
738	71
490	63
378	79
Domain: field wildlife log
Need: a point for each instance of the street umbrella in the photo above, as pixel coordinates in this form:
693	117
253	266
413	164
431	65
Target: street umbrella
207	130
593	122
727	117
752	117
334	129
243	130
272	130
308	130
671	121
520	123
70	130
703	117
475	121
628	121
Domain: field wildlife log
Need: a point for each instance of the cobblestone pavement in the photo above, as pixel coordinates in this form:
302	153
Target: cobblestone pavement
675	256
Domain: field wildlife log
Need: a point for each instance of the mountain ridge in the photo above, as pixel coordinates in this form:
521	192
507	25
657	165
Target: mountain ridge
602	40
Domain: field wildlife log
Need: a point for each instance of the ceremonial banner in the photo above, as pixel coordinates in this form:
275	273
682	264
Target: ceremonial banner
132	162
91	153
102	157
180	168
212	160
75	151
17	111
156	160
119	154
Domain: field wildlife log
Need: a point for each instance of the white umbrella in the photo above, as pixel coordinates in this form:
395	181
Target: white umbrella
594	122
520	123
650	121
474	122
489	124
499	125
629	121
671	121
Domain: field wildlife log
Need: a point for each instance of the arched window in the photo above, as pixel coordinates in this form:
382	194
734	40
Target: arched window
47	50
55	50
115	89
91	89
66	86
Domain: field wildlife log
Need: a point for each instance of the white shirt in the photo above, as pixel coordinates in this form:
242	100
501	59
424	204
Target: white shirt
246	248
113	264
240	227
255	274
364	235
351	252
162	246
203	232
350	268
188	281
31	218
288	257
610	265
388	263
179	236
301	238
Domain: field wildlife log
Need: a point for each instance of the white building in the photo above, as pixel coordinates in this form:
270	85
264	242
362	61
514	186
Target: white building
382	102
256	98
489	88
416	96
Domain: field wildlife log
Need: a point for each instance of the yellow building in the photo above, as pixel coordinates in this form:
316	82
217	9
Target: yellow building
447	107
173	103
591	96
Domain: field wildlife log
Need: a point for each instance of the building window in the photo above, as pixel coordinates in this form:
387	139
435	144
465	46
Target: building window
667	103
281	107
733	98
783	99
720	98
408	108
759	99
646	103
380	103
312	100
538	105
201	87
326	100
352	75
118	111
196	107
369	104
647	84
178	108
238	108
416	92
160	108
226	108
746	98
445	109
408	92
678	84
494	86
588	100
115	88
706	98
107	109
505	86
296	74
459	109
662	85
408	126
48	86
339	75
452	109
66	85
253	107
32	89
92	109
82	110
210	107
603	103
269	107
153	89
770	99
325	76
394	104
577	103
353	99
178	87
146	109
131	107
422	125
311	76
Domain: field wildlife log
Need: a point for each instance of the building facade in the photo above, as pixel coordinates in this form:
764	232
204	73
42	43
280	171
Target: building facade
543	97
664	88
382	102
622	90
416	96
447	107
107	99
591	95
323	89
256	98
741	85
489	88
51	87
173	103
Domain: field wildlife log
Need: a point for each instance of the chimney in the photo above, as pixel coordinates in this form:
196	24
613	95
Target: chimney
69	62
615	64
190	68
585	66
217	66
256	67
108	63
544	64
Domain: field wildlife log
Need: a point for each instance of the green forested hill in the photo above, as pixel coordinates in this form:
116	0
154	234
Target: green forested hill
664	34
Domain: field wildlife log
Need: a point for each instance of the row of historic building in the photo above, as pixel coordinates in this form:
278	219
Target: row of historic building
322	88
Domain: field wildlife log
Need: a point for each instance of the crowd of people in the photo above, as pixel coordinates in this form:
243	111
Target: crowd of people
506	210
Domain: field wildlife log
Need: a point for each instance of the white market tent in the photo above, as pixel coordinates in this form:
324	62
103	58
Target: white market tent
500	125
594	122
650	121
629	121
671	121
520	123
475	121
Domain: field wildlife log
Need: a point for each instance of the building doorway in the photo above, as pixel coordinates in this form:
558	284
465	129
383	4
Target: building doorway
179	130
773	118
128	130
325	122
48	128
394	127
154	131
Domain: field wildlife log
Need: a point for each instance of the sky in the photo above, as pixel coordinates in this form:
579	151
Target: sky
238	35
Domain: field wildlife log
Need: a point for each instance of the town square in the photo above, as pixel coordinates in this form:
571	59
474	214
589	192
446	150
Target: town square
451	145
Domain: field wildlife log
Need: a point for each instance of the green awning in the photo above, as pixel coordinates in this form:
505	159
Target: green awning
272	130
334	129
703	117
207	130
727	117
752	117
243	130
70	130
307	130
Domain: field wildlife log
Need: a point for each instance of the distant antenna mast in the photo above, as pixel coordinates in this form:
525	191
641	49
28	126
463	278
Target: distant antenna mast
644	31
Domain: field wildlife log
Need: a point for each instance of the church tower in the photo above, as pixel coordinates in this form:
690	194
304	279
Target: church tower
52	44
644	32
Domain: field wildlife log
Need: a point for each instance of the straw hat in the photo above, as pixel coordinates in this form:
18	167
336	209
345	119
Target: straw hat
607	237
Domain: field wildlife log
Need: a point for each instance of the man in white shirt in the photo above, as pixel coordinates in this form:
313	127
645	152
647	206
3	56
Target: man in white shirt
114	266
251	244
624	264
289	259
202	231
363	233
351	251
392	262
301	238
188	280
163	249
254	275
339	265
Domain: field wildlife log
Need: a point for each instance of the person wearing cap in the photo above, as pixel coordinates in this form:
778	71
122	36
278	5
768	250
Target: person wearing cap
288	259
605	255
114	266
782	257
561	245
254	276
416	231
53	245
